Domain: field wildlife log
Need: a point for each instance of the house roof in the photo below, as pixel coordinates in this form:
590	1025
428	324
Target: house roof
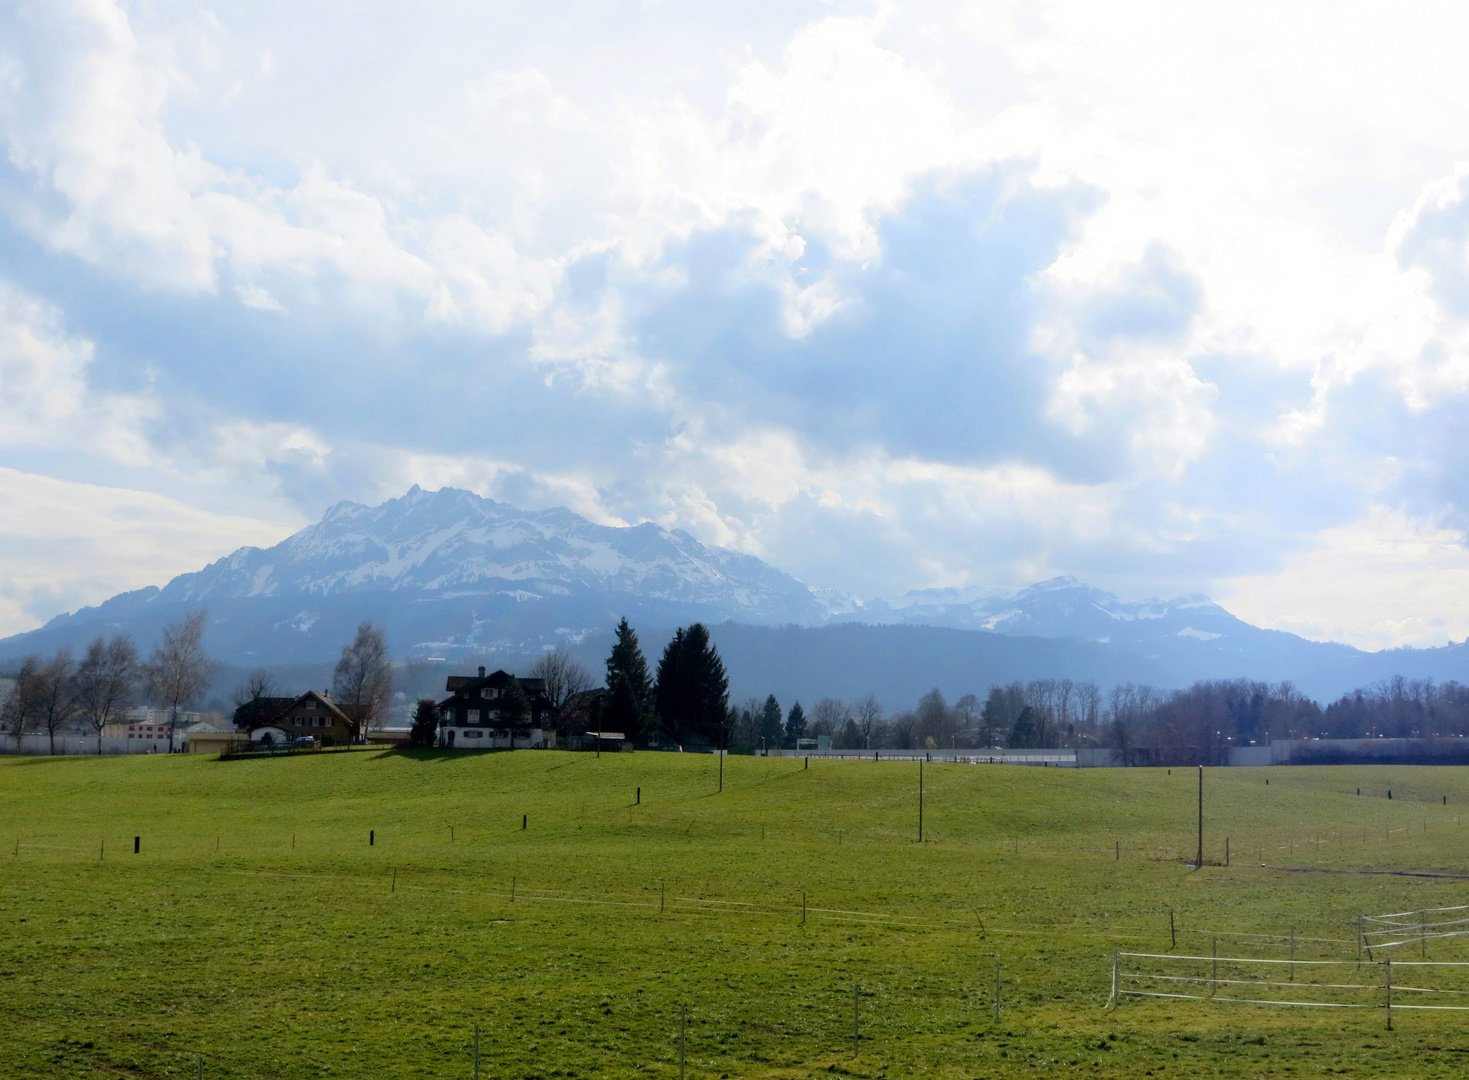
260	712
325	702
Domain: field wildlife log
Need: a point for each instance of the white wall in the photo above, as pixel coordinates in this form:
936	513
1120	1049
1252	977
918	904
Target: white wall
74	745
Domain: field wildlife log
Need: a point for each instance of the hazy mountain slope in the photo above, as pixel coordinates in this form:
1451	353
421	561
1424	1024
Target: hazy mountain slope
453	575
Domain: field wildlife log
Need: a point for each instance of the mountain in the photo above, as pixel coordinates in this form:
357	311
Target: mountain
457	577
448	573
1192	637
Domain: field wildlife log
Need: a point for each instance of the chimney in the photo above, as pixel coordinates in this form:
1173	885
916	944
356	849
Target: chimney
481	671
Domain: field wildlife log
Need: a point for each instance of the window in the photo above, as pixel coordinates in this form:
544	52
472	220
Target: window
474	734
473	716
311	703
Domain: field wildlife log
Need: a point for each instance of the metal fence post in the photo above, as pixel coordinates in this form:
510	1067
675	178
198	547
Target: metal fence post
997	993
856	1020
1389	994
1214	985
476	1052
683	1024
1116	967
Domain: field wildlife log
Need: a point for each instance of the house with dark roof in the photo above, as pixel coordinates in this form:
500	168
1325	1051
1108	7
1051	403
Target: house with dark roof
314	715
472	718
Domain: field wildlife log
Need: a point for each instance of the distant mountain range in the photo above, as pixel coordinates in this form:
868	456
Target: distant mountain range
454	576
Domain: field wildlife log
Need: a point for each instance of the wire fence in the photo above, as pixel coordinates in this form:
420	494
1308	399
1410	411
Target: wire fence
1401	928
1292	983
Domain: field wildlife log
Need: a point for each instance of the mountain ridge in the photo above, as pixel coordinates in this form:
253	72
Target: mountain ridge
455	575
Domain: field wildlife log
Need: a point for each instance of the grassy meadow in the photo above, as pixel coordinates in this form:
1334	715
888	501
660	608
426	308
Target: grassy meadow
259	928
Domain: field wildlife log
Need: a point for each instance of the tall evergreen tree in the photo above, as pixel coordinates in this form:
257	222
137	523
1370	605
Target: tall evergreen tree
795	725
629	705
692	695
771	729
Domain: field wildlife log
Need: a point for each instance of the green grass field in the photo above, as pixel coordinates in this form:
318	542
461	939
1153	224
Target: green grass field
257	927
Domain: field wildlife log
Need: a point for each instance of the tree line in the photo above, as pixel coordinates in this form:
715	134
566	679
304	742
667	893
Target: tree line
60	694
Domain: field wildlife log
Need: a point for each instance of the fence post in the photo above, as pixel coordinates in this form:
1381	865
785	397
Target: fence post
137	845
476	1052
856	1021
1359	941
1214	985
200	1072
1116	967
1226	851
1389	994
1172	931
683	1023
1292	954
803	907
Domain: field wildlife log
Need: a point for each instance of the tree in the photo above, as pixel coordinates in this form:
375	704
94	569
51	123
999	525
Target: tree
629	692
902	730
425	723
692	693
795	725
1023	734
850	738
967	709
770	725
514	706
104	681
179	669
935	721
22	708
830	717
55	704
362	684
868	717
257	685
563	676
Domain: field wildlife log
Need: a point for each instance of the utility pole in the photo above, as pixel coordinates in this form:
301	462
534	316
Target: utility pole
1200	863
920	802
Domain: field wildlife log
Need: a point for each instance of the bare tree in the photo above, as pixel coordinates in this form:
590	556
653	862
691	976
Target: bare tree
362	683
829	717
258	684
901	730
105	680
55	705
22	708
179	669
868	714
935	720
563	676
967	710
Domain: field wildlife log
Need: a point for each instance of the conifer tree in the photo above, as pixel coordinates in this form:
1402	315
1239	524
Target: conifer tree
692	695
628	707
795	725
770	725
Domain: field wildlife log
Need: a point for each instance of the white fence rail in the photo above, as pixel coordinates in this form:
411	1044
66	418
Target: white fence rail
1306	984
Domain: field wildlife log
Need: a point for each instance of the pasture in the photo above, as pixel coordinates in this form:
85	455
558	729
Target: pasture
534	895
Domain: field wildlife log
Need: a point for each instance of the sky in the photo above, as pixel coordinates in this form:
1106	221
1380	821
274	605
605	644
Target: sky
1174	298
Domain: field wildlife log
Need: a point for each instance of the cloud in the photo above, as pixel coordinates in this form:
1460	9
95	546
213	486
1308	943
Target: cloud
65	545
893	297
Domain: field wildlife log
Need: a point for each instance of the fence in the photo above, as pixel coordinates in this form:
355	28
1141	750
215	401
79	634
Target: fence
74	745
1056	759
1285	983
1411	928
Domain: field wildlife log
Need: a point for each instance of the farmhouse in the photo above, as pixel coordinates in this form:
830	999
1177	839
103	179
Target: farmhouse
476	715
313	715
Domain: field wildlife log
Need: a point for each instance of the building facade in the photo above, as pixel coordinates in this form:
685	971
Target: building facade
474	715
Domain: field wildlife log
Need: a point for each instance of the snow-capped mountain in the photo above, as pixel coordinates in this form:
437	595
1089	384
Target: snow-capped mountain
1190	635
451	575
449	572
455	544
